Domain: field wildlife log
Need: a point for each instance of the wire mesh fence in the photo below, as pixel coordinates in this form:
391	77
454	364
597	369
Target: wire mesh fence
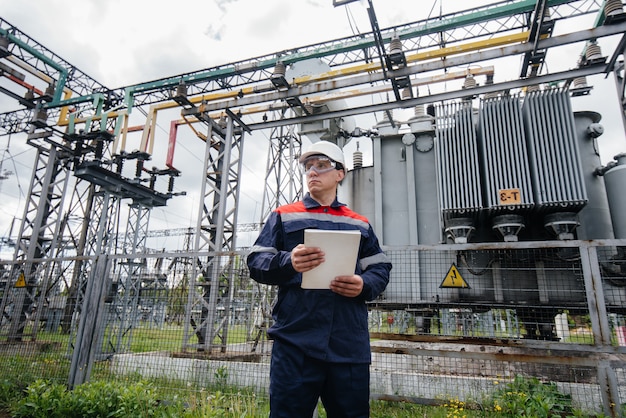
456	321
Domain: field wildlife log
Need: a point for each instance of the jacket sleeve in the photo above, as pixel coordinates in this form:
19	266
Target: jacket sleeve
268	261
375	268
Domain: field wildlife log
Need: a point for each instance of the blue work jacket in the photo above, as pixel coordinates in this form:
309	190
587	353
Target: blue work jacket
323	324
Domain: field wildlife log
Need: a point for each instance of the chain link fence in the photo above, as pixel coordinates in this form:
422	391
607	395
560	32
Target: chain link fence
456	321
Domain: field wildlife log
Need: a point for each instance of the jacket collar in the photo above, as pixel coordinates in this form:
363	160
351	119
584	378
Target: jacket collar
311	203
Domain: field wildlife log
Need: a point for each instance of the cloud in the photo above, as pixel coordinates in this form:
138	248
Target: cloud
214	32
120	43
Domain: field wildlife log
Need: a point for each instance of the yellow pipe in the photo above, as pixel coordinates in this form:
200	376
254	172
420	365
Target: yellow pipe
123	132
65	110
149	146
147	137
350	93
148	134
356	69
468	47
189	123
419	56
149	128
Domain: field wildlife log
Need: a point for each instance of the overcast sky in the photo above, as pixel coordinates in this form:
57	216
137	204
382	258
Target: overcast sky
122	42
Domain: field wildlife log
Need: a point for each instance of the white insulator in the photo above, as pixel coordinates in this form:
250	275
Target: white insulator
357	159
546	14
580	82
280	68
492	95
181	90
50	90
420	110
532	88
489	82
469	82
40	116
395	46
593	51
613	7
387	126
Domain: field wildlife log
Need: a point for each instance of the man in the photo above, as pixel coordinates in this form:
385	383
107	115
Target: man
321	346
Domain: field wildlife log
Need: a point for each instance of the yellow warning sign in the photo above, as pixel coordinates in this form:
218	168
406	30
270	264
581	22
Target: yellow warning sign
454	278
21	281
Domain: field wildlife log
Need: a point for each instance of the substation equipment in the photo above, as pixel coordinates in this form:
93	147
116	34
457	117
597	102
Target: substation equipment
478	162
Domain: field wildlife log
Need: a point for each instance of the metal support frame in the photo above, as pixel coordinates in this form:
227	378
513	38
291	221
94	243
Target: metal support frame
216	233
90	327
481	22
38	234
123	300
153	294
283	180
607	378
540	28
619	73
100	230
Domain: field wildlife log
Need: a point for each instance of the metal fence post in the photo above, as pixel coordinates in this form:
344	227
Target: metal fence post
85	348
607	379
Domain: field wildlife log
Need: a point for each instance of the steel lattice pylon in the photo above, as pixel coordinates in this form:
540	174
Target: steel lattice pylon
92	282
482	22
283	179
215	234
77	233
38	234
123	308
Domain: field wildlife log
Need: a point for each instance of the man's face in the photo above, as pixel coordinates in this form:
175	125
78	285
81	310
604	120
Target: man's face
321	174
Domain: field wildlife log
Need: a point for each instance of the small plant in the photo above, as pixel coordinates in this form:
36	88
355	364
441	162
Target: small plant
9	392
92	400
43	400
456	409
214	406
221	376
529	397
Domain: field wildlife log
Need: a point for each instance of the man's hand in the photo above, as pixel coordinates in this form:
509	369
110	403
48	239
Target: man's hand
306	258
349	286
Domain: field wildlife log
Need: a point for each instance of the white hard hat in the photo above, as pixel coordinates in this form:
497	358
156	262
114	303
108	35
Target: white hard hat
326	148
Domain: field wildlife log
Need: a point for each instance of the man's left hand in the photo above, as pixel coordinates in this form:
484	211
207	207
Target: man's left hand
349	286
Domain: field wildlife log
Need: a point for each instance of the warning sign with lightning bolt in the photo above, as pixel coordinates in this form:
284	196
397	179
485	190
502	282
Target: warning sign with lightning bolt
454	278
21	281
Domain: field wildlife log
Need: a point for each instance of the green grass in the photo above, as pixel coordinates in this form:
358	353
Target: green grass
34	386
50	364
143	399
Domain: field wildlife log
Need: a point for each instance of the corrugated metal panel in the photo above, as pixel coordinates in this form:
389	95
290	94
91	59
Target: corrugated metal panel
457	159
553	150
504	158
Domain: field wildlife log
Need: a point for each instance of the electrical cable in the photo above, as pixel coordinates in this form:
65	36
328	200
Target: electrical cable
355	30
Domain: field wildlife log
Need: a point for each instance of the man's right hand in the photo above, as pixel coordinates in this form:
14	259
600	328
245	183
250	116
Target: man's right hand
306	258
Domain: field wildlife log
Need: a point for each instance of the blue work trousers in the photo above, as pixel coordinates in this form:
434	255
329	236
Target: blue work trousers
297	381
